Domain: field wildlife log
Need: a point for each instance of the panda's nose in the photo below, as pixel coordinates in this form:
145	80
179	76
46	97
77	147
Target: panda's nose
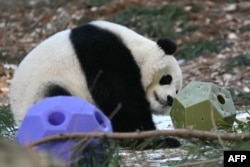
170	100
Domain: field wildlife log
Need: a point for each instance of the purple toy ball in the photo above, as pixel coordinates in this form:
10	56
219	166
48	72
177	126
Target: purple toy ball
60	115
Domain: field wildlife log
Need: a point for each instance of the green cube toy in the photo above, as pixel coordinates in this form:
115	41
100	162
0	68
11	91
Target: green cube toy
192	107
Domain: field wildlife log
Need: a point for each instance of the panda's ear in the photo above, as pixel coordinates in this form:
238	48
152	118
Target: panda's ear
167	45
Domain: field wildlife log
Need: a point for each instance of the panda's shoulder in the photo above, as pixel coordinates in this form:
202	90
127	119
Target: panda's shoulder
101	28
95	30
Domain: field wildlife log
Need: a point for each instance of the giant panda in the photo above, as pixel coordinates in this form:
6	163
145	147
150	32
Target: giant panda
123	73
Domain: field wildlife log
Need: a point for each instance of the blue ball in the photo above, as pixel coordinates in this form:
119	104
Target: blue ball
61	115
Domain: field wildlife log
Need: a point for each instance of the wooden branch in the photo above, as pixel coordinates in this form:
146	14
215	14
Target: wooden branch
183	133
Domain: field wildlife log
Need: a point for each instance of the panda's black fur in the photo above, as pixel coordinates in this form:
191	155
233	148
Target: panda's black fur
110	81
113	78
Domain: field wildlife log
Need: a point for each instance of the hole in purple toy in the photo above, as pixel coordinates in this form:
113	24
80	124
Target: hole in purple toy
221	99
56	118
99	119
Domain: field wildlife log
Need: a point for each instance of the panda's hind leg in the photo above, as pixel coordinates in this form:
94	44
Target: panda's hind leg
56	90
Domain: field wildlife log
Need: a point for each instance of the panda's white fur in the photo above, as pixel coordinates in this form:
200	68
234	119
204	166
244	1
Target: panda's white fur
38	69
55	61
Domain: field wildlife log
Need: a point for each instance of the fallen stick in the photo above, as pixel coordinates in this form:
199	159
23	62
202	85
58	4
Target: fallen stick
183	133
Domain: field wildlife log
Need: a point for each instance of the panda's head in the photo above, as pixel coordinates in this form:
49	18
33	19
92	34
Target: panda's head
164	79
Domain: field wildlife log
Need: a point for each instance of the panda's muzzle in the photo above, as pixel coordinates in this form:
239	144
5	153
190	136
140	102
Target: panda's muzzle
164	102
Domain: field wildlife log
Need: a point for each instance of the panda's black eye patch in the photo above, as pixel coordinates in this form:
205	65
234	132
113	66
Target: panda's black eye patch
166	80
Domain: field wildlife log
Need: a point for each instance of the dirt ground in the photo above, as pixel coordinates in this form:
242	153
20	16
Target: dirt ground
25	23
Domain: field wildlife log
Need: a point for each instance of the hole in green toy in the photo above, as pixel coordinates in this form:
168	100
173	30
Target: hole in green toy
221	99
202	118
